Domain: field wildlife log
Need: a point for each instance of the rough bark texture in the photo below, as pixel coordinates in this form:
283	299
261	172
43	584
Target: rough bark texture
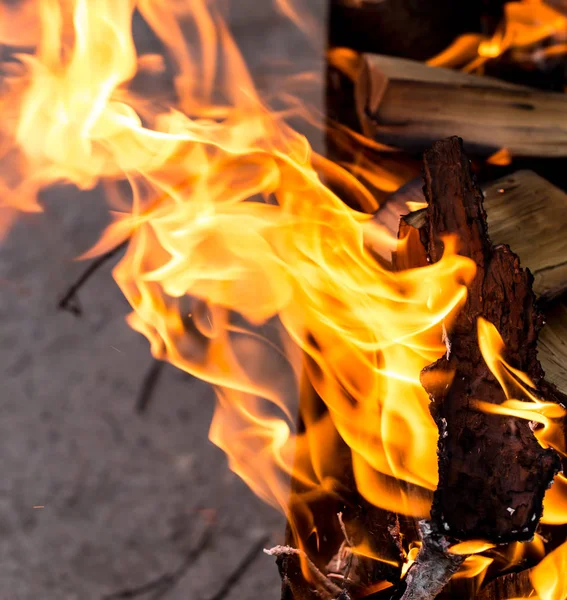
434	566
492	471
512	585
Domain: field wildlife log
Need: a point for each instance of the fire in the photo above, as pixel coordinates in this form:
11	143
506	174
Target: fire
526	23
243	268
548	577
523	400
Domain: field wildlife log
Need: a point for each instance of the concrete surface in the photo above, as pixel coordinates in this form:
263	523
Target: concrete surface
126	498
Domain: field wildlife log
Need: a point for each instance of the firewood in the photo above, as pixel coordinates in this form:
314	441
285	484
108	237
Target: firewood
530	215
409	105
412	28
524	211
492	471
512	585
552	348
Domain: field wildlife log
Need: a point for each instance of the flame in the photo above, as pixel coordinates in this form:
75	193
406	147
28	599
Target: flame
242	268
548	577
471	547
526	23
555	502
474	566
517	384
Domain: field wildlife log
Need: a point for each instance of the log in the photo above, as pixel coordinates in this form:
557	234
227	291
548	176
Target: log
512	585
409	105
524	211
492	471
552	348
415	29
530	215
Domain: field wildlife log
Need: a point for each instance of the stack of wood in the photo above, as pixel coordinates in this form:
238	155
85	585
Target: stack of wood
491	482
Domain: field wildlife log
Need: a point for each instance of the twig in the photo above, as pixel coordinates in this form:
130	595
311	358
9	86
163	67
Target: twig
329	587
69	301
235	576
434	565
164	583
343	529
149	384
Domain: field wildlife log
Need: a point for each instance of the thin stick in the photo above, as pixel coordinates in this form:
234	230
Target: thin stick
66	303
328	586
149	384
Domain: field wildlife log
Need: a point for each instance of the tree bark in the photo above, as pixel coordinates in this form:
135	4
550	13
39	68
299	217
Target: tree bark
492	471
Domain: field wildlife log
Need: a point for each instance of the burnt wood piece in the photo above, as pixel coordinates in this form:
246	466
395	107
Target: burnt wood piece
360	518
552	347
409	105
415	29
512	585
434	565
492	471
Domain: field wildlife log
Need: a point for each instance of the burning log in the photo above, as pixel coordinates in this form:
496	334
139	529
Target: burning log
492	471
409	105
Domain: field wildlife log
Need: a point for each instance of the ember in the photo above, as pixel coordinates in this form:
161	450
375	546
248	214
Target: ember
377	380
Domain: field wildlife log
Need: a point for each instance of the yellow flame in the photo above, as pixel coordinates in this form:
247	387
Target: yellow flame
517	384
243	268
525	24
471	547
555	502
548	577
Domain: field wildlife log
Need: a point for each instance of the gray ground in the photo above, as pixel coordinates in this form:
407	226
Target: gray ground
127	498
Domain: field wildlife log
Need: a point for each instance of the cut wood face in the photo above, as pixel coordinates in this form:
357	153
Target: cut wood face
529	214
409	105
552	347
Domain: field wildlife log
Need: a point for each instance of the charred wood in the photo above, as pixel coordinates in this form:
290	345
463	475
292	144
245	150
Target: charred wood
492	471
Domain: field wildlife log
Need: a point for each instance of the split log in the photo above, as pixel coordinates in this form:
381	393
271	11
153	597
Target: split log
411	28
409	105
524	211
530	215
552	348
492	471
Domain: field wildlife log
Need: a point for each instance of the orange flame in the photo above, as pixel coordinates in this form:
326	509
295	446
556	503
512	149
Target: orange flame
517	384
243	268
548	577
526	23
